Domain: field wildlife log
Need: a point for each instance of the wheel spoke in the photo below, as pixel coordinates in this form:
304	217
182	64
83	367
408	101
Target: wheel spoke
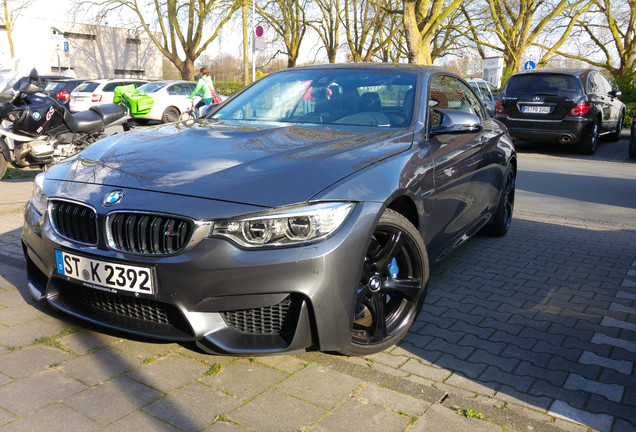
390	250
376	306
406	288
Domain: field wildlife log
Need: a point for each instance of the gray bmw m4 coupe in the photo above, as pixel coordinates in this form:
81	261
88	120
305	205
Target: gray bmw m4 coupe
302	214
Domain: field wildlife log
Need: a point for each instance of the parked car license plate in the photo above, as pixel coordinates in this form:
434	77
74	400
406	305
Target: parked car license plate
96	273
535	109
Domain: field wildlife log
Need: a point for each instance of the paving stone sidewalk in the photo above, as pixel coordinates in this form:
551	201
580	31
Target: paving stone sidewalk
533	331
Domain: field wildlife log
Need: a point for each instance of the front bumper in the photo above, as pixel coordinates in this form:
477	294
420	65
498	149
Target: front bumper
227	299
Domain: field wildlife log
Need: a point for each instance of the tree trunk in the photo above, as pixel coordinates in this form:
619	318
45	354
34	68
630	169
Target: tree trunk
186	68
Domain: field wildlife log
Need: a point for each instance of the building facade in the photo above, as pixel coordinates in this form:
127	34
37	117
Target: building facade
82	50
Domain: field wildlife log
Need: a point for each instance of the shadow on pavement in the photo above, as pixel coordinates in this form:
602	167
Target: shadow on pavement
541	316
109	366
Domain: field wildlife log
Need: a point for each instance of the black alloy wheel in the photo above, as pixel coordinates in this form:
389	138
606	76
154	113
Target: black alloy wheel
392	286
616	135
171	114
503	216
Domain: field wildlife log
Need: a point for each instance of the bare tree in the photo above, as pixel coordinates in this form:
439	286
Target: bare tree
517	24
328	25
610	42
363	22
423	20
10	13
391	36
287	19
181	24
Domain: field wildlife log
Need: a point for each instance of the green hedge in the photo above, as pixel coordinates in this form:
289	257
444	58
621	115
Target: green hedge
228	88
630	110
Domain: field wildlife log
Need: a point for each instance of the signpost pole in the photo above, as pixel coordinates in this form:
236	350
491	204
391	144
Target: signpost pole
253	42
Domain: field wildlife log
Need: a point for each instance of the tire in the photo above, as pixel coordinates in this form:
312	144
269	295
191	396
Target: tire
170	115
500	224
386	305
589	140
616	135
3	166
632	148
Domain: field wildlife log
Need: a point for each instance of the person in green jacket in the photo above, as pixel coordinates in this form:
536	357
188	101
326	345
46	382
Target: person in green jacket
204	84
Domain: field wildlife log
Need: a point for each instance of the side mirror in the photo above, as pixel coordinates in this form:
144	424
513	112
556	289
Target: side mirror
33	76
616	93
445	121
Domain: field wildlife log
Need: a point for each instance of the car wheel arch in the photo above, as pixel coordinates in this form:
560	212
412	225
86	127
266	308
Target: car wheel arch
167	110
406	207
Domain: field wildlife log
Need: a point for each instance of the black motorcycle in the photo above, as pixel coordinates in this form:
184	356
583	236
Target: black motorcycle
37	131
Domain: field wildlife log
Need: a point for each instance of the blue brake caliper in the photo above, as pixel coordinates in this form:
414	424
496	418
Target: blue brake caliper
393	269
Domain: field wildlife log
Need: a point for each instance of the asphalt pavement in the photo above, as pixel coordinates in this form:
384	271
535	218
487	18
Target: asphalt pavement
535	331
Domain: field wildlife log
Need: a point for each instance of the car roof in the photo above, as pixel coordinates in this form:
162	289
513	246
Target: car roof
405	67
170	81
105	80
563	71
68	80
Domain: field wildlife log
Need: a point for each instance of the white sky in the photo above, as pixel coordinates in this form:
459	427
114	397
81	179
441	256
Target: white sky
227	42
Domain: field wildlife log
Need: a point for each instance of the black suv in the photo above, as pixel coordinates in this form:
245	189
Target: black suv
571	106
632	140
61	89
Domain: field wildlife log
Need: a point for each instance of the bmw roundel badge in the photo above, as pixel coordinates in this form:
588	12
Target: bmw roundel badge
113	198
36	116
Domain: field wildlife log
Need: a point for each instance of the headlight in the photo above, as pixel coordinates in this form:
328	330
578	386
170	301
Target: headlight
38	199
285	227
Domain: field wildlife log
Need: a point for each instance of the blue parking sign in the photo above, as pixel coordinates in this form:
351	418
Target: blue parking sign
66	47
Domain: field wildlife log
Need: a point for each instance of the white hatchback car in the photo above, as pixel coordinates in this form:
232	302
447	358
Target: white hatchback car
170	100
96	92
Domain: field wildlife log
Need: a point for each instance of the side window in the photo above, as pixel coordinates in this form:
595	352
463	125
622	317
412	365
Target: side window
603	84
484	91
475	87
110	87
494	90
591	84
448	92
173	90
183	89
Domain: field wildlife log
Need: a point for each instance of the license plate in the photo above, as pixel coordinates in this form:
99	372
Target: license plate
103	274
535	109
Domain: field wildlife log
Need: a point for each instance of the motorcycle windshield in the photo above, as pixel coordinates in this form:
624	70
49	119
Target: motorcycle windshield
9	75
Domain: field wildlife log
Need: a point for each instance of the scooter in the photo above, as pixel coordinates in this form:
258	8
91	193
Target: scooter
35	130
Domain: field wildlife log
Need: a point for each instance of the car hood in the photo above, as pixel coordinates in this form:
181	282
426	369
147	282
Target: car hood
268	166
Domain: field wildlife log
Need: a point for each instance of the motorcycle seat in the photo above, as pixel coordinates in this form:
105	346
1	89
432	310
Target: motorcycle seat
84	121
109	112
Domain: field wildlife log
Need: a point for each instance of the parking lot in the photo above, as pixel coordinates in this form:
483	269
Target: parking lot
532	331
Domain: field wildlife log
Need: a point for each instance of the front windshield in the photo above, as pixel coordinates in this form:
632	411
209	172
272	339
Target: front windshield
151	87
363	97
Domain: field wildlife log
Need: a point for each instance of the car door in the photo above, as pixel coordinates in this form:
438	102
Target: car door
179	96
463	173
613	103
600	100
